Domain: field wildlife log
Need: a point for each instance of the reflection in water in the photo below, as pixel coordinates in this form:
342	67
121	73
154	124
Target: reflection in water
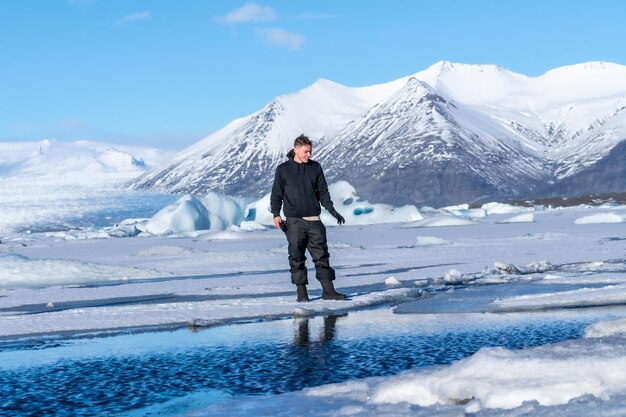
301	336
302	333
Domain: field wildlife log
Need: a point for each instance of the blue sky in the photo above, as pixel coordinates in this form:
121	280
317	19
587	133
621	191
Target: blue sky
166	73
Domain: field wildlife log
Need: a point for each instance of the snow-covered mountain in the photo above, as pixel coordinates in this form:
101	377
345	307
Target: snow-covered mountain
240	158
420	147
448	134
81	160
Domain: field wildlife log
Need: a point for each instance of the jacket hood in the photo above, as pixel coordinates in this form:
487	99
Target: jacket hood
291	154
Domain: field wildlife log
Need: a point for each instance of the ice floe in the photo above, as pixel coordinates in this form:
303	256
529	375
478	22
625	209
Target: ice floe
502	378
218	310
583	297
440	221
600	218
606	328
392	281
501	208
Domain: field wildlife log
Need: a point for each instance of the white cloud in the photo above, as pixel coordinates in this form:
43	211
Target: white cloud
250	12
135	16
281	38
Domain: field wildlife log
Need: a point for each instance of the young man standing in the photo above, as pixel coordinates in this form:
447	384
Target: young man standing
300	187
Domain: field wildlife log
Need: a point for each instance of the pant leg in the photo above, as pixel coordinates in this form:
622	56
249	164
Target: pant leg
318	248
297	237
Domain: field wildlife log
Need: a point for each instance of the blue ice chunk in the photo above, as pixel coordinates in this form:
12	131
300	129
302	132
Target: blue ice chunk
251	215
365	210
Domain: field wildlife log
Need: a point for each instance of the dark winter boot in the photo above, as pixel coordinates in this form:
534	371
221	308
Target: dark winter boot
303	296
329	293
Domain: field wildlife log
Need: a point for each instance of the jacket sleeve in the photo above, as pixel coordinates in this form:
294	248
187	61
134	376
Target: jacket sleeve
276	197
322	191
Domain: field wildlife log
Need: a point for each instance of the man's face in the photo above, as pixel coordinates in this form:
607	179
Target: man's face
303	153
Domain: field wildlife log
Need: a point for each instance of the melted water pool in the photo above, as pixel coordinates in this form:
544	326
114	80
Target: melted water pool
117	374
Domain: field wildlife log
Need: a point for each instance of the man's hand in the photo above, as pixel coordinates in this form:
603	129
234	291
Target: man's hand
277	221
339	217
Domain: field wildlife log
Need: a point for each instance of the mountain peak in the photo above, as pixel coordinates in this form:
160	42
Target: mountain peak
443	66
323	82
416	87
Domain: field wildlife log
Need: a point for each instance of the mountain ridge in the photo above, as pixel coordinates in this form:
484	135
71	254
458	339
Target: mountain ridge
480	131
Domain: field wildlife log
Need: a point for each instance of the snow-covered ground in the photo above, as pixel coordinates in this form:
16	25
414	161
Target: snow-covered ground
453	265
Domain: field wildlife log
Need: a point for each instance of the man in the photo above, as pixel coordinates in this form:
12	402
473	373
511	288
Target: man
300	186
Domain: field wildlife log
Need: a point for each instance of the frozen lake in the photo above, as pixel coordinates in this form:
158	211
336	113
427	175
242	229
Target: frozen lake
93	325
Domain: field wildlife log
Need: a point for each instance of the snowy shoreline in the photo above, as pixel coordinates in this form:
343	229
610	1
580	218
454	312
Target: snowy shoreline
22	326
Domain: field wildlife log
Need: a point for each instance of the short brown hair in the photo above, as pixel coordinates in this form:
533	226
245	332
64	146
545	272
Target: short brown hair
301	141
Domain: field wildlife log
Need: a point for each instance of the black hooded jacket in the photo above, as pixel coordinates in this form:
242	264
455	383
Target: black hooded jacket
301	188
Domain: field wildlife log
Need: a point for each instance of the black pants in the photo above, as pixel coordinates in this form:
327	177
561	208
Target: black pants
304	234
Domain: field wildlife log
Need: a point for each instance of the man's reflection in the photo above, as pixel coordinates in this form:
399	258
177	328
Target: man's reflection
302	334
